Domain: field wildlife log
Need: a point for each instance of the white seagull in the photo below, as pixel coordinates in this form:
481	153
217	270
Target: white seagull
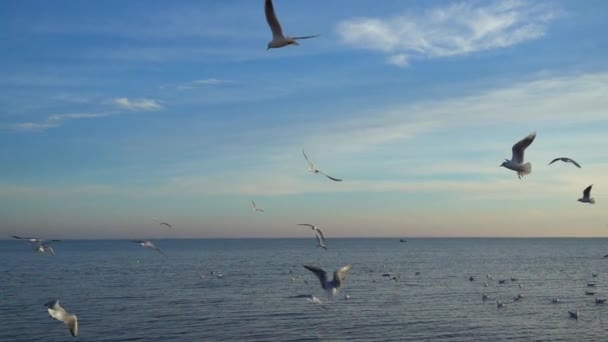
565	160
59	313
44	247
334	285
33	239
255	208
517	159
320	243
555	300
278	39
149	244
586	196
313	169
314	228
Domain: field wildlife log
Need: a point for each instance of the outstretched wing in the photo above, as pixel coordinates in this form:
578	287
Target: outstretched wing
519	148
320	273
311	165
22	238
339	275
271	19
330	177
572	161
587	191
253	204
306	224
320	232
305	37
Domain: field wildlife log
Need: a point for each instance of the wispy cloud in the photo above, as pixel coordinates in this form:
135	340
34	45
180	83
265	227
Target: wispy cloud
55	120
197	84
137	104
457	29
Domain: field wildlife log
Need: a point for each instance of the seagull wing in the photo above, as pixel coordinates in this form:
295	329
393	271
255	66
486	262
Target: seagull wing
158	250
311	165
320	232
253	204
320	273
306	224
339	275
305	37
330	177
22	238
319	242
272	20
573	162
138	241
587	191
554	160
72	323
166	224
519	148
51	250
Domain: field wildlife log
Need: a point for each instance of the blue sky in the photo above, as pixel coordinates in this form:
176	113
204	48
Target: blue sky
114	113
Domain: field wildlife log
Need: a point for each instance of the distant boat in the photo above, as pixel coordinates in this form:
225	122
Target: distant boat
402	240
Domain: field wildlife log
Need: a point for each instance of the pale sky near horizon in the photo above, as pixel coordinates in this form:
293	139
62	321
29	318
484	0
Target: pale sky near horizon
115	113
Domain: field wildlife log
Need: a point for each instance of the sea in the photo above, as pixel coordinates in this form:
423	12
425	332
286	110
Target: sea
121	291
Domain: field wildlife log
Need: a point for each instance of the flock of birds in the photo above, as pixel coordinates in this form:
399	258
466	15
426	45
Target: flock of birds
331	286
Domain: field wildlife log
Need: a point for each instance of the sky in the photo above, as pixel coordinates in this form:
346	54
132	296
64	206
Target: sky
114	113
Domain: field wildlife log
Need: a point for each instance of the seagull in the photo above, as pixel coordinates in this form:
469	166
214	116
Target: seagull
600	301
573	314
334	285
517	159
314	228
164	223
594	275
502	281
591	284
514	279
58	313
278	39
320	243
149	244
484	296
589	293
255	208
520	286
518	297
499	304
586	196
32	239
44	247
312	299
565	160
313	169
346	297
555	300
485	284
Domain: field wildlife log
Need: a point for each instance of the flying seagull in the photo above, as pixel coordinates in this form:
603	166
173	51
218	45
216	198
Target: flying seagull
313	169
320	243
517	159
59	313
278	39
44	247
32	239
314	228
586	196
565	160
255	208
164	223
149	244
334	285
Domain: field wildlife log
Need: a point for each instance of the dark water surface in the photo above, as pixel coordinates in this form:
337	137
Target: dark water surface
165	299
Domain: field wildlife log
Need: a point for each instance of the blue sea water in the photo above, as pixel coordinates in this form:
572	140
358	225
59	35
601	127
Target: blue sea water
123	292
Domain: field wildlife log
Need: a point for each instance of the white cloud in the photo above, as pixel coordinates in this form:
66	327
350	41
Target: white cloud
456	29
137	104
198	83
55	120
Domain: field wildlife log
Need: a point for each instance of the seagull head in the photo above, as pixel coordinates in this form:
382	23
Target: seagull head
504	163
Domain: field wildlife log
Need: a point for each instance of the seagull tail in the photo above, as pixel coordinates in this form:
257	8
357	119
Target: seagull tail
526	169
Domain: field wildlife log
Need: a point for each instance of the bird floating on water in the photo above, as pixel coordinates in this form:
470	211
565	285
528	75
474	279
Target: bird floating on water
517	159
278	39
600	301
565	160
555	300
59	313
573	314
